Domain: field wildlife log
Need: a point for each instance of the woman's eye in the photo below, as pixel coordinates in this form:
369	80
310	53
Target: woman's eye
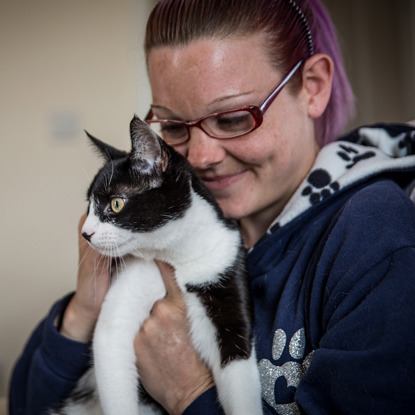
117	204
237	121
172	130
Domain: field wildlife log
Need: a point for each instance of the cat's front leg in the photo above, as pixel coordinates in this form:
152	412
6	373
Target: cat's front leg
236	378
126	306
239	387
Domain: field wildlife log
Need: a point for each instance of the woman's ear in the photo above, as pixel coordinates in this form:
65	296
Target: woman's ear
317	81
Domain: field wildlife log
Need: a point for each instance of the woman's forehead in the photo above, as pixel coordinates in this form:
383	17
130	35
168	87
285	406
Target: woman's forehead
213	53
209	72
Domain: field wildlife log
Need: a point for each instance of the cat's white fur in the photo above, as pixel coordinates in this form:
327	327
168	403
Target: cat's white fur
188	244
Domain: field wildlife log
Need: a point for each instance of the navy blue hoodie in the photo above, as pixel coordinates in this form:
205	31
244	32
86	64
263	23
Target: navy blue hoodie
333	286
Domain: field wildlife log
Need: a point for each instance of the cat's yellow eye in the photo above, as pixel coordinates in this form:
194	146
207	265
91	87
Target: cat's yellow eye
117	204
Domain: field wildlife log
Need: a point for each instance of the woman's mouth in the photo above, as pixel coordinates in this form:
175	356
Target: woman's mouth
222	182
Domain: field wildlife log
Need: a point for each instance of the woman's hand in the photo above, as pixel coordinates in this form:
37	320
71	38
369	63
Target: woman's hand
169	367
93	282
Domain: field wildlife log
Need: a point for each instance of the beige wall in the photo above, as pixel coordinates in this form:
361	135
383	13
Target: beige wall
69	65
65	66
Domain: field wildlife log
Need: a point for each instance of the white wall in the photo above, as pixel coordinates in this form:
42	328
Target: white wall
64	66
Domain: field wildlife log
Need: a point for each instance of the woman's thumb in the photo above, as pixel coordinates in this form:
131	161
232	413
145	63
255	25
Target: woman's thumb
167	273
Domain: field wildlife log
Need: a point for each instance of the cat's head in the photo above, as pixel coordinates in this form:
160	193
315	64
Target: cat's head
135	193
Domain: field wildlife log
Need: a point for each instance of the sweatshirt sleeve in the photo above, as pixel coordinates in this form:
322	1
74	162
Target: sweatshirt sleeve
205	404
48	368
51	365
362	311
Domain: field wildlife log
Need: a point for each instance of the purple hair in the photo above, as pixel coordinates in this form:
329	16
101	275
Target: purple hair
294	30
341	106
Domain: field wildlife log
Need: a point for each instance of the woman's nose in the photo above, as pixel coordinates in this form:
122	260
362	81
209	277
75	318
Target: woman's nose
204	151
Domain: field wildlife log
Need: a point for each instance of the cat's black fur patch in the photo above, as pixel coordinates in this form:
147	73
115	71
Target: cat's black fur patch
78	396
229	307
147	208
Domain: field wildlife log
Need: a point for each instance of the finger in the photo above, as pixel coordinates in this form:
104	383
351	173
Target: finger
173	290
82	242
81	222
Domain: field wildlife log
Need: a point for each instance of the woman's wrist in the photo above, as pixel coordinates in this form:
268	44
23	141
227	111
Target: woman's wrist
184	401
75	325
206	403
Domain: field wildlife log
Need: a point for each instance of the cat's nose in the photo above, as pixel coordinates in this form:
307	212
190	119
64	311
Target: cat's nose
87	236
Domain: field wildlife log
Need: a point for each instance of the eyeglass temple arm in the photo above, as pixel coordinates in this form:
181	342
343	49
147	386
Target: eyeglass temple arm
149	115
268	101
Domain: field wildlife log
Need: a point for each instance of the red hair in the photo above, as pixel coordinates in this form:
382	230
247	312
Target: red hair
294	30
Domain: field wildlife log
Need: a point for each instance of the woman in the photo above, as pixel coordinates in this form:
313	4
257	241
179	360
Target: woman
330	231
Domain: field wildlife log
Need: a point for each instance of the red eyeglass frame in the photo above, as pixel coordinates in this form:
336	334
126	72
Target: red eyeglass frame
256	112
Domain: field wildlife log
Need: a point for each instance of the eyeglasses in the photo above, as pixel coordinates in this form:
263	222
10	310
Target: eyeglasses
222	125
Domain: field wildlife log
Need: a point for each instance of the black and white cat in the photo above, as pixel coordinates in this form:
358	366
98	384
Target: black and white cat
145	205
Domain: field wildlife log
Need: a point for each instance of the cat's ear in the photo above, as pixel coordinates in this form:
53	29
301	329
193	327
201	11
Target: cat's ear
108	152
147	152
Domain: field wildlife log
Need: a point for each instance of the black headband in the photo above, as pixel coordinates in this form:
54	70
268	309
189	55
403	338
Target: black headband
306	26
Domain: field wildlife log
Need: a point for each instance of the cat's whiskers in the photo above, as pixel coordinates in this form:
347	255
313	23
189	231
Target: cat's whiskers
112	173
107	181
115	250
98	266
104	262
82	259
87	174
135	250
117	259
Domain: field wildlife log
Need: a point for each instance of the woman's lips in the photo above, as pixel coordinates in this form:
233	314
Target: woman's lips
222	182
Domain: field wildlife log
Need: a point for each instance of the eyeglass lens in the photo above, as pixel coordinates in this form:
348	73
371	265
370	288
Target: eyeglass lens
223	125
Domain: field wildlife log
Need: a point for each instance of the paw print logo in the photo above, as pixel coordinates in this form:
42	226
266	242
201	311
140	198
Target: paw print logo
320	187
352	156
290	371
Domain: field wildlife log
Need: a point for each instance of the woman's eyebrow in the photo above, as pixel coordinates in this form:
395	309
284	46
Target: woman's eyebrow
163	109
228	97
216	101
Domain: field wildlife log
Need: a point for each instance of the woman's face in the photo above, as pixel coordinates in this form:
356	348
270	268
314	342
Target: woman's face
252	177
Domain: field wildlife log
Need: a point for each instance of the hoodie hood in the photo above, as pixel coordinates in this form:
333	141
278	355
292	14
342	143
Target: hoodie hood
364	153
